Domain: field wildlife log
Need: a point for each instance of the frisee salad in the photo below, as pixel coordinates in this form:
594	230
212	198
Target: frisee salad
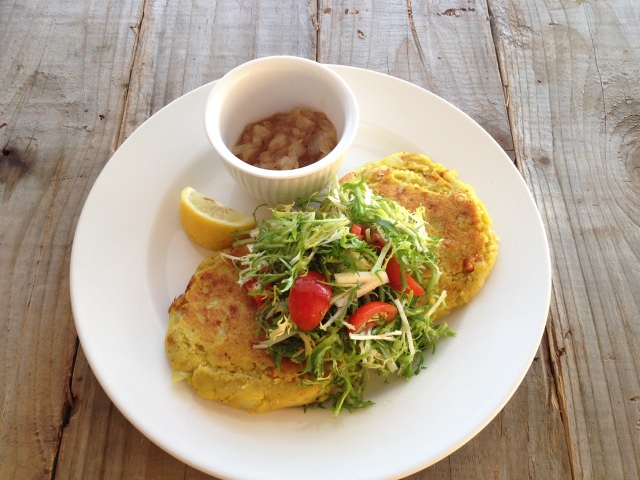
339	279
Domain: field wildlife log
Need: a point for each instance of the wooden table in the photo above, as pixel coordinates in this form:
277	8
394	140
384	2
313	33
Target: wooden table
555	82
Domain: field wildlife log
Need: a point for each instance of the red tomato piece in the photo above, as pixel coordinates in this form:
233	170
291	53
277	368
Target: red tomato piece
358	230
309	300
252	285
363	316
394	272
375	238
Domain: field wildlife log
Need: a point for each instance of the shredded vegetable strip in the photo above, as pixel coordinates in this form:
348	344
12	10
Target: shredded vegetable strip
405	326
386	336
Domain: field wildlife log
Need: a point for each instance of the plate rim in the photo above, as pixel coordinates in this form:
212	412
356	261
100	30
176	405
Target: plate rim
97	368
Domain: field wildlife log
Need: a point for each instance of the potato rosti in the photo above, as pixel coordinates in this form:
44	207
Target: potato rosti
209	342
469	246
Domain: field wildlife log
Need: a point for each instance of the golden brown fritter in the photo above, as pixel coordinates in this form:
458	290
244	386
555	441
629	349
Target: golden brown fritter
469	247
209	342
212	327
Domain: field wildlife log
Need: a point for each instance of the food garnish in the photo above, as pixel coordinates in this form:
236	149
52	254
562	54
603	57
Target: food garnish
345	282
208	222
309	300
365	315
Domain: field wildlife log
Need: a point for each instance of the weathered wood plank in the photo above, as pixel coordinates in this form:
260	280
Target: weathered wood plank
572	70
579	146
182	45
439	45
447	48
62	68
454	465
100	443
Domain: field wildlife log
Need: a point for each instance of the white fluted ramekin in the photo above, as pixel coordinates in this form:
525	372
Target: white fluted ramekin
261	88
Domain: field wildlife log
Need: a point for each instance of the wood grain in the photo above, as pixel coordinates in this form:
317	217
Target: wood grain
62	70
572	70
555	82
448	49
543	418
184	45
100	443
181	46
438	45
525	440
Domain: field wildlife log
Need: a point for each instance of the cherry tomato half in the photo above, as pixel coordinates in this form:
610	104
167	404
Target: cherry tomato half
363	316
394	272
309	300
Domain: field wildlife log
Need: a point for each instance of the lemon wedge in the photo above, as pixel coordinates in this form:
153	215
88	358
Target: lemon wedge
208	222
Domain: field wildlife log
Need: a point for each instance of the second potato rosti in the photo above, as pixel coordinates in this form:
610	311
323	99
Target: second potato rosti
469	246
209	342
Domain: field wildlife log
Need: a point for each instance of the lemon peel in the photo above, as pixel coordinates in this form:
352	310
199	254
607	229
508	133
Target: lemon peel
208	222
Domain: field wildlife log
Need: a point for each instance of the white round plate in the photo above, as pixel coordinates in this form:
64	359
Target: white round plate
131	258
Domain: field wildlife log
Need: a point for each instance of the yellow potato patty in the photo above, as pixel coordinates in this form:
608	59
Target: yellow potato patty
212	327
469	248
209	342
